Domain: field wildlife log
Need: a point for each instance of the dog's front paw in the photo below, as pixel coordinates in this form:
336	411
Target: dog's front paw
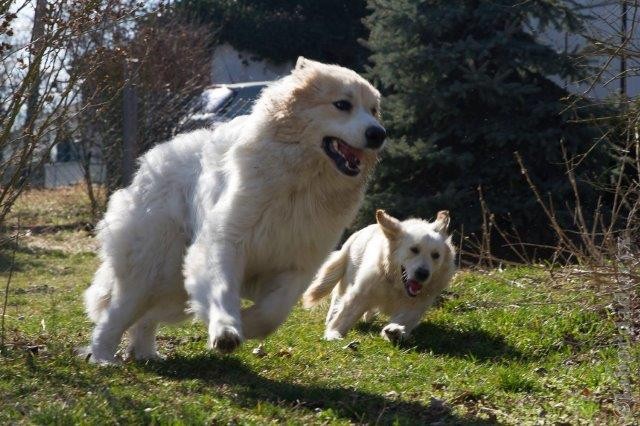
394	332
225	340
332	335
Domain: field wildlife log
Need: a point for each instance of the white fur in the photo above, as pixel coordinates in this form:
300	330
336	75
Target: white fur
246	210
366	274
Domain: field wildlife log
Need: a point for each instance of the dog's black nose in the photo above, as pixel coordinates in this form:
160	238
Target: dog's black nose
421	274
375	136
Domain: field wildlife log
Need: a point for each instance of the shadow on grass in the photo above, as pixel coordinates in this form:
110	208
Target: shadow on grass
22	263
445	340
248	388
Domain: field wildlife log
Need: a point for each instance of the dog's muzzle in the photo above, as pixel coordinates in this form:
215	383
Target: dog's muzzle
412	286
345	157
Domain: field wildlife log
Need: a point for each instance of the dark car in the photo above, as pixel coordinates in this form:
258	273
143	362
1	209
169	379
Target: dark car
220	103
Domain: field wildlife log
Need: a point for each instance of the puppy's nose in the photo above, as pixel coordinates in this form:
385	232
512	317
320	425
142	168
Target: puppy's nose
421	274
375	136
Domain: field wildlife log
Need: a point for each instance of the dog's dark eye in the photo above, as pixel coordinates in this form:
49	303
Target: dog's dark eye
435	255
343	105
415	250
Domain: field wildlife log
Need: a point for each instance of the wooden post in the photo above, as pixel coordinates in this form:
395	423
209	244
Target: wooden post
37	34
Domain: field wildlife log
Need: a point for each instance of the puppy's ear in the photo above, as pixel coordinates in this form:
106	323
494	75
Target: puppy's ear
442	221
389	224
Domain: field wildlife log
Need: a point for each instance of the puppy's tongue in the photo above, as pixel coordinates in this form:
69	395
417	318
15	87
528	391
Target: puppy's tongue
413	288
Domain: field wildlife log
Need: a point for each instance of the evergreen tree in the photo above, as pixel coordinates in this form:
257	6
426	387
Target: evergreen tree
466	85
282	30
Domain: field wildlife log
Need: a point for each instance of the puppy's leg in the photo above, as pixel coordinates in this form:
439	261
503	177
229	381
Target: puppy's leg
274	304
336	295
352	306
213	273
401	324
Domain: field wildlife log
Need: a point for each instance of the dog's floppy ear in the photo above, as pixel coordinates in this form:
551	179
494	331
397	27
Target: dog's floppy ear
389	224
442	221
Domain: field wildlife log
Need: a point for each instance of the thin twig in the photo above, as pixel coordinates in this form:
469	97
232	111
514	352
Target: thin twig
6	292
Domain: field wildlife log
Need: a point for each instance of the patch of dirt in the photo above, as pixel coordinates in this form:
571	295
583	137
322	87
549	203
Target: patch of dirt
72	242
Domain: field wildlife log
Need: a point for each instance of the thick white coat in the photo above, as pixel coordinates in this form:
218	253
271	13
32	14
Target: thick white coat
246	210
366	275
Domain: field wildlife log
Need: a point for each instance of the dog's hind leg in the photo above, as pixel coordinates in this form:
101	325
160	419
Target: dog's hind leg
142	334
107	334
142	340
351	308
274	304
334	306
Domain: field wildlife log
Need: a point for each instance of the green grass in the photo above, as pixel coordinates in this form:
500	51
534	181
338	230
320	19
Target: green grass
503	347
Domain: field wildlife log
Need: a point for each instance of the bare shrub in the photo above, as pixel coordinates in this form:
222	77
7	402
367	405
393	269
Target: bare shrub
39	84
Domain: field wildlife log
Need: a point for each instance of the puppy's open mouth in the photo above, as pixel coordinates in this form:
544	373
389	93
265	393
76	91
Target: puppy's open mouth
345	157
411	286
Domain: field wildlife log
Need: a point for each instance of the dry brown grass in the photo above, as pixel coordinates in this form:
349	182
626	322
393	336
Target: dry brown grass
53	219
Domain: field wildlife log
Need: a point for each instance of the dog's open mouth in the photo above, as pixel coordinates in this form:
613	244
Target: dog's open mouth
345	157
411	286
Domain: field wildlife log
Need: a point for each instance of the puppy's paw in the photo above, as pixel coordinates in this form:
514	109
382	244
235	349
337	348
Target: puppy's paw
394	333
225	340
332	335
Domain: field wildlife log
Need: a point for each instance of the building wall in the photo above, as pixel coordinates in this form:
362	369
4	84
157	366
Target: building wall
71	172
603	26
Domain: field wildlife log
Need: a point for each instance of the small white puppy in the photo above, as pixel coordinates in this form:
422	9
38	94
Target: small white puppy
392	267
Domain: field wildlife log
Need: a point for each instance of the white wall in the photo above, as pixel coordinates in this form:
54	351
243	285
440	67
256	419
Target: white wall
70	173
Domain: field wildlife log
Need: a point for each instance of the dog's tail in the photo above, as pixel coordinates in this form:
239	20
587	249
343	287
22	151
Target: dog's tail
330	273
98	296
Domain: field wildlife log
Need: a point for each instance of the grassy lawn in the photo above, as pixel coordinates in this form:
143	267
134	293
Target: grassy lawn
503	347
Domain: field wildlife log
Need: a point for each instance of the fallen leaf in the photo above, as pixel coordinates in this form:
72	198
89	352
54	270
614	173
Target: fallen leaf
259	351
353	345
285	352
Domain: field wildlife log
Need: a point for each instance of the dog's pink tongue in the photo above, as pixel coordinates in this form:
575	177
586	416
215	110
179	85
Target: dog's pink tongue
350	152
414	287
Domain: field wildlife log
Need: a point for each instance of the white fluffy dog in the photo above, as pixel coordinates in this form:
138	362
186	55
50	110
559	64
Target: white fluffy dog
246	210
396	268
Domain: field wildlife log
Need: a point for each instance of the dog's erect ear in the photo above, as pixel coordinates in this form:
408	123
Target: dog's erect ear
389	224
302	62
442	221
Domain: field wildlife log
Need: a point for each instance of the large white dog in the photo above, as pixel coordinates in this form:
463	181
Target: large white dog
246	210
